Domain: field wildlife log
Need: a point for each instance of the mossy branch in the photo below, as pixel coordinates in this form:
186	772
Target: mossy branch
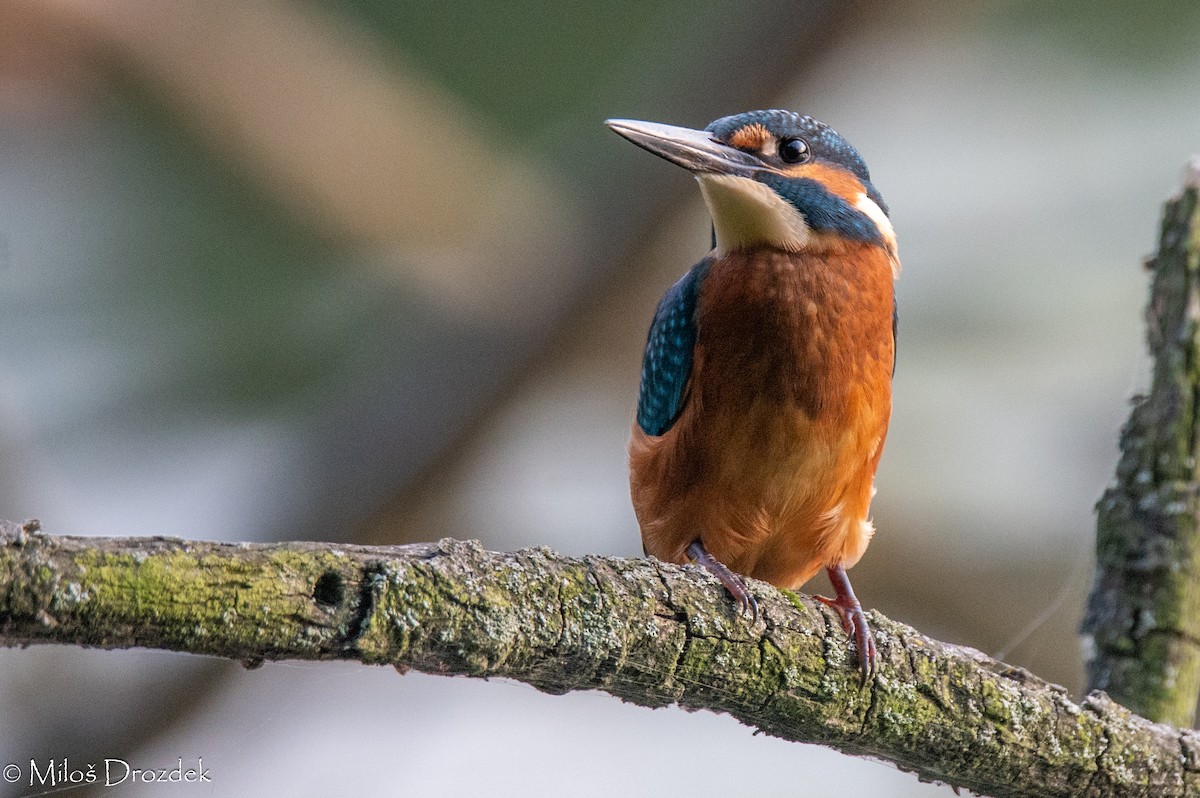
646	632
1143	615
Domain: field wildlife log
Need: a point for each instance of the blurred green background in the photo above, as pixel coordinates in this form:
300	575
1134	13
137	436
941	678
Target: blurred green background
375	271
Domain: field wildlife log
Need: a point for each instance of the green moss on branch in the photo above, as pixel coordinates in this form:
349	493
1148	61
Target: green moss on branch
649	633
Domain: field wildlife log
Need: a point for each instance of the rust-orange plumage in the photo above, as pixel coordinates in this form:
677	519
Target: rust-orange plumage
766	386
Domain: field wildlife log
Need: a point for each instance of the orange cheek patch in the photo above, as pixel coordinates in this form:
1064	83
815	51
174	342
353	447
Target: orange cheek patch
837	181
750	137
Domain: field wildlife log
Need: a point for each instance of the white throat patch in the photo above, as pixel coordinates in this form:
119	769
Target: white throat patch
746	212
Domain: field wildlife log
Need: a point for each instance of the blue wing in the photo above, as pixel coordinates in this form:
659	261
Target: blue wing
895	331
667	363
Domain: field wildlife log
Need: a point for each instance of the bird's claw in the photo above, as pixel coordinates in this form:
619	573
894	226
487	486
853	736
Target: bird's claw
854	624
745	599
732	582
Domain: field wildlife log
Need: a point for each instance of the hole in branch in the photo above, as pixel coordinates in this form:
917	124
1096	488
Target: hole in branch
330	589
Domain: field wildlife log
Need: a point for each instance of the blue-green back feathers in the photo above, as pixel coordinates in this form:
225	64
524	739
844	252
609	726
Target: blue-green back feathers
667	363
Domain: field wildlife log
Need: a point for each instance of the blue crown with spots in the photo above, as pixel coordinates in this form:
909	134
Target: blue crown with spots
825	143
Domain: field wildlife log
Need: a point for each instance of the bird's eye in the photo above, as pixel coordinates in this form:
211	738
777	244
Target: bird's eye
793	150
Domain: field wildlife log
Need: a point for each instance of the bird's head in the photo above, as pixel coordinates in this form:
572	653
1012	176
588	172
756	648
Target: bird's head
774	178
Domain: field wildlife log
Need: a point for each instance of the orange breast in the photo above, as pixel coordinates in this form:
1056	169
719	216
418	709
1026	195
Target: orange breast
772	460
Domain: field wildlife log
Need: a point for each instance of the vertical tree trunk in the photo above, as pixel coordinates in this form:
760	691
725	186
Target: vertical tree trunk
1143	616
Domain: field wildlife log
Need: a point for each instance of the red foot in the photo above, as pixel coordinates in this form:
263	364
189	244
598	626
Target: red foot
732	582
854	622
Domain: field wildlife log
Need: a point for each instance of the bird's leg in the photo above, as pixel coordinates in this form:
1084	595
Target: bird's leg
732	582
854	622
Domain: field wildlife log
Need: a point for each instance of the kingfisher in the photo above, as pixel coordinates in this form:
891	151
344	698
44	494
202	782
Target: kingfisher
766	381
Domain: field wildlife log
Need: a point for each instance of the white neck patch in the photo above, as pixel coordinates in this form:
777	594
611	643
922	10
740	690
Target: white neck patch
745	212
884	225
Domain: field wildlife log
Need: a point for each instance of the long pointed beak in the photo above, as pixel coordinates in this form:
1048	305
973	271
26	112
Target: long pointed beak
694	150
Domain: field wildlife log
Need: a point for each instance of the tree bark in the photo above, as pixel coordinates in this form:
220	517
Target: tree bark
646	632
1143	616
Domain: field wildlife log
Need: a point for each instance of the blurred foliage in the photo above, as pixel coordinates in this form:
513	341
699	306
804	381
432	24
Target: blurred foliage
231	302
1149	36
548	73
522	64
527	64
255	309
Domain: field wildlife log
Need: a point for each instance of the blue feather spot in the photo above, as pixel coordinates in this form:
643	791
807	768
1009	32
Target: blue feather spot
667	365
